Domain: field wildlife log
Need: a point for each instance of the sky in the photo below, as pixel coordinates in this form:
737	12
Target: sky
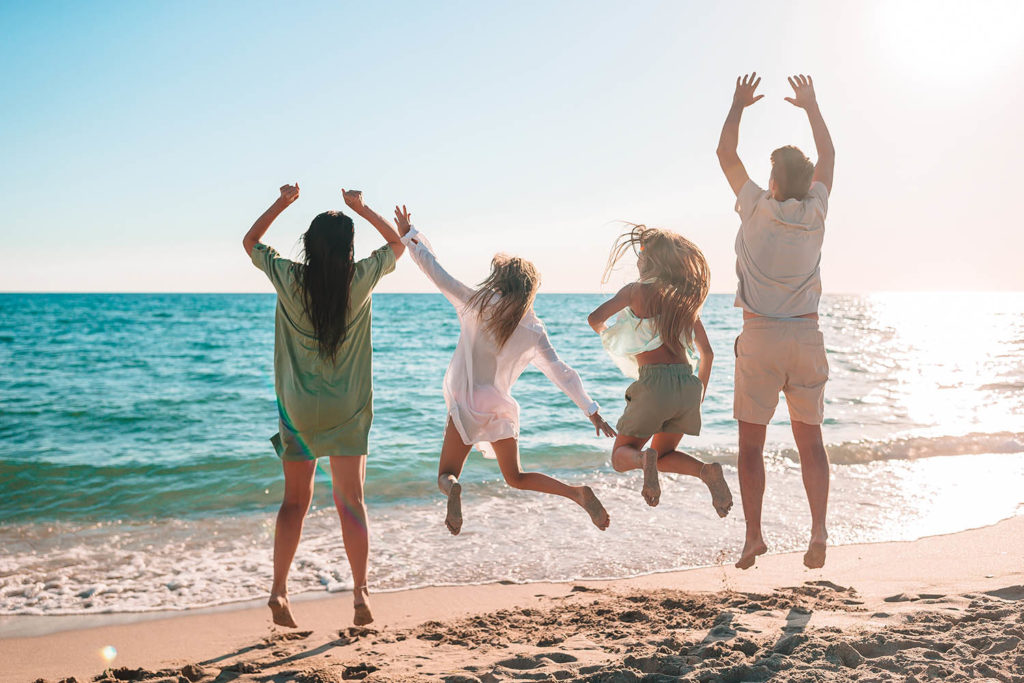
139	141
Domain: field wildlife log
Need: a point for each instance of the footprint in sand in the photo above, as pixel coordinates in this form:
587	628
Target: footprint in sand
520	663
557	657
1008	593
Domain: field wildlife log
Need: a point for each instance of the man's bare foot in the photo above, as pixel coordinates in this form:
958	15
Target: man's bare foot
652	489
814	558
721	496
750	552
598	515
281	612
454	519
362	615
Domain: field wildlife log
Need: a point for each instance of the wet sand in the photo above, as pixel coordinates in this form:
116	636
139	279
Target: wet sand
947	607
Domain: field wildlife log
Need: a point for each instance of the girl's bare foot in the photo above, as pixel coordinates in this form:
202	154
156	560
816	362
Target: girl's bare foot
652	489
281	612
454	518
590	503
751	549
721	496
362	615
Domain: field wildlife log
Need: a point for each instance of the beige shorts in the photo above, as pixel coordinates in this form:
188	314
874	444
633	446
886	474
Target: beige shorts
774	355
666	399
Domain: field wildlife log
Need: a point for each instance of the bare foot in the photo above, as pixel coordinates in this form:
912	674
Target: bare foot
814	558
362	615
281	612
454	519
750	552
590	503
721	496
652	489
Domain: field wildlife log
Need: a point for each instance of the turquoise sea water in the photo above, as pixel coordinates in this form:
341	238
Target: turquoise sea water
136	471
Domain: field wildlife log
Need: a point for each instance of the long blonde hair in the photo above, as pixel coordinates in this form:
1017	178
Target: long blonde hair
505	296
678	271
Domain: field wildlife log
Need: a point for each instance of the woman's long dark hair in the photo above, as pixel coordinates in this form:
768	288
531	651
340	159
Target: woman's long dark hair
325	278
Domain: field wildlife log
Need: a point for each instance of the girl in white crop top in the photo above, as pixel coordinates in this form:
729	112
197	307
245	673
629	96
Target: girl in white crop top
657	327
500	335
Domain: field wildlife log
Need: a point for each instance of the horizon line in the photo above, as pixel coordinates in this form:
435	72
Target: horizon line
729	292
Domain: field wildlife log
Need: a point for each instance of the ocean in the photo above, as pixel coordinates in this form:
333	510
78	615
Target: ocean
136	473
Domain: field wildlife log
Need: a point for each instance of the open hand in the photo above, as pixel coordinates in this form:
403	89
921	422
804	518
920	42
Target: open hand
354	199
289	193
601	426
745	87
803	91
403	219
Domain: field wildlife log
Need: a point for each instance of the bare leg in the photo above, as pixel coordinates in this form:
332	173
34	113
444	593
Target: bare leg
453	457
627	455
751	468
298	493
507	451
814	468
677	462
348	472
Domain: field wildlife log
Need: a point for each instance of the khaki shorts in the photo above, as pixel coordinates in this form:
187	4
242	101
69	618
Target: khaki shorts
774	355
666	399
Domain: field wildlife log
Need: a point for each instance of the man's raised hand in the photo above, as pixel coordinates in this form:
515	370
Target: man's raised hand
745	87
803	91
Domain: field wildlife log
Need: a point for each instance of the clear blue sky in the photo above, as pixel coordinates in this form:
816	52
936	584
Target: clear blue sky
139	140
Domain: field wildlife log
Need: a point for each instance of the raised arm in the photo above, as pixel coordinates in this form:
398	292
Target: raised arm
600	315
707	356
728	142
354	199
804	97
568	380
423	256
289	193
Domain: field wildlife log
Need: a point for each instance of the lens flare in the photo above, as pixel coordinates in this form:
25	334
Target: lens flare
109	653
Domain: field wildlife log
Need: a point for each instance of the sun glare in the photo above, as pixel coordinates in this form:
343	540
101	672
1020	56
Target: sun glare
943	40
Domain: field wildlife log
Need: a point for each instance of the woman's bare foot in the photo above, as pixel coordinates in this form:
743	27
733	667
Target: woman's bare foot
590	503
652	489
362	615
281	612
721	496
751	549
814	558
454	518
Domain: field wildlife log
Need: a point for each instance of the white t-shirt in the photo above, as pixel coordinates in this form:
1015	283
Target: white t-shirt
778	251
478	384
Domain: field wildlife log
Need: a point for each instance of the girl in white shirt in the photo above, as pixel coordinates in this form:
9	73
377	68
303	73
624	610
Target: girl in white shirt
500	336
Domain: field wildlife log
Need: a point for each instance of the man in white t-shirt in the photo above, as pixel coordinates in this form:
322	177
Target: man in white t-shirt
778	254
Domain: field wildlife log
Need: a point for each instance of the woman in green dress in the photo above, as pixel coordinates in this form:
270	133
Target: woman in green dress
323	377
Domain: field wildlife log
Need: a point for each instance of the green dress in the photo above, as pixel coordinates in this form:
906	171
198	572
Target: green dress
325	407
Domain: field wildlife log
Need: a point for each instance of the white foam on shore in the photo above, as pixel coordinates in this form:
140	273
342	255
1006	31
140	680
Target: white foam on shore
508	535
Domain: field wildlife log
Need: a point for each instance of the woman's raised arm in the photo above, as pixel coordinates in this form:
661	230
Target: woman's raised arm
423	256
289	193
354	200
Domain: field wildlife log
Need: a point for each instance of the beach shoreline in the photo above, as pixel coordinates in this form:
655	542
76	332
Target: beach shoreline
944	568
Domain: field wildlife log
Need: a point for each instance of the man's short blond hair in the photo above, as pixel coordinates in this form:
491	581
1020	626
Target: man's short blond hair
792	171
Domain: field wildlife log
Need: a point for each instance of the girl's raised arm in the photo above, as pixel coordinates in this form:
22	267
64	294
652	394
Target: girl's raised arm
609	308
354	200
423	256
289	193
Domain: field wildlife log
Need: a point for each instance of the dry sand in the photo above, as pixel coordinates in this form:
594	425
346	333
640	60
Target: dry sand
945	607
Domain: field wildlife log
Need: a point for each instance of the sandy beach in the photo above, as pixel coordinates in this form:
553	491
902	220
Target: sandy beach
947	607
